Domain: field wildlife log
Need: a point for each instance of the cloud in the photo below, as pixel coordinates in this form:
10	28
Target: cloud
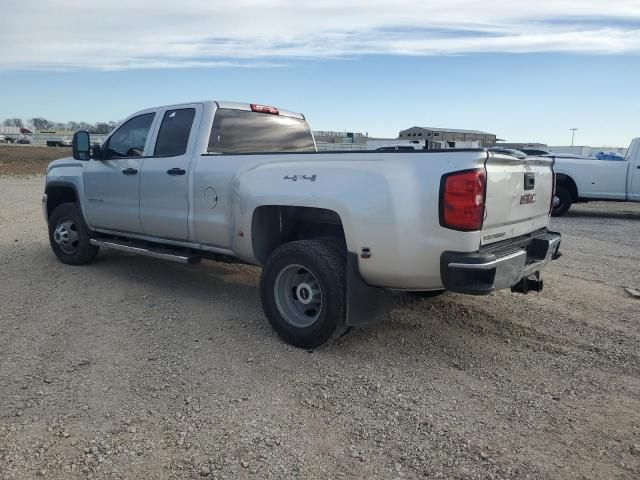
135	34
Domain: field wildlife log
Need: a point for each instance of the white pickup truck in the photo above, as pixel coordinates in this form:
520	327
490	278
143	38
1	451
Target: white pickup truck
333	231
585	179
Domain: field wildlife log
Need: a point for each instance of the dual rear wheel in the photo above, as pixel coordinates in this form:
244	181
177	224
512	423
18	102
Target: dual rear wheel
303	291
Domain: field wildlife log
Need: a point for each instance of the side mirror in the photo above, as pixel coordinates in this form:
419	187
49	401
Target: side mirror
81	145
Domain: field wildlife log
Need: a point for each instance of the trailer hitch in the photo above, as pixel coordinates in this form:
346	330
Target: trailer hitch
533	283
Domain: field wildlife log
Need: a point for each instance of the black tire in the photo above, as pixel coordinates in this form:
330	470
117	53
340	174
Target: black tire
564	202
327	265
77	250
428	294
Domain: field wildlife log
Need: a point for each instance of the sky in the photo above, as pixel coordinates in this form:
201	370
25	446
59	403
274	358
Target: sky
526	71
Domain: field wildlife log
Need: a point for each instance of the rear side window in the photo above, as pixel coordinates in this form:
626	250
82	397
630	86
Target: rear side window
174	132
240	131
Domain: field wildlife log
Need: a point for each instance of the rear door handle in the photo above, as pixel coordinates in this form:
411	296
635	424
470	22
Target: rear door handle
176	171
129	171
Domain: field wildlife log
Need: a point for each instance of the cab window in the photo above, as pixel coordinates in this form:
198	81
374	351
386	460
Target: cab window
241	131
128	141
173	136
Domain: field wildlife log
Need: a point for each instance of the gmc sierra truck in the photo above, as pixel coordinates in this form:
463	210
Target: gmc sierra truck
334	232
580	180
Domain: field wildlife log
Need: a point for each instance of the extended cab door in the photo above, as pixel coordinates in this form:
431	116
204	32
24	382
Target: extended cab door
164	181
111	184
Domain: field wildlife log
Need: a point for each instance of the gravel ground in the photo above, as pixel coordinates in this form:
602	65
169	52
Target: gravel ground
136	368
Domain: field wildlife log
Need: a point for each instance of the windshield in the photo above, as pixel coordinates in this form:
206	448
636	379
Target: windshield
241	131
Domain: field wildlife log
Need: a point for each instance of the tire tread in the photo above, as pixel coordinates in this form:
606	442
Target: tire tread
329	255
86	252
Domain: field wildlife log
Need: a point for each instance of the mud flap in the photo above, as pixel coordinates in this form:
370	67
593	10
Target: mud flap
365	304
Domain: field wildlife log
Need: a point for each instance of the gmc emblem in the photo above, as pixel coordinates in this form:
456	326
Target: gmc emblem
527	198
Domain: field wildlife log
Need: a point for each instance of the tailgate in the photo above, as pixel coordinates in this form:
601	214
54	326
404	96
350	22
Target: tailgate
518	196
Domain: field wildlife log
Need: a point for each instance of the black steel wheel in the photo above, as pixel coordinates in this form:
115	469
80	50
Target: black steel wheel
303	292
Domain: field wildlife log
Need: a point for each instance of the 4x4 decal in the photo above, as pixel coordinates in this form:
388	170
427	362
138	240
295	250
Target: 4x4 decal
295	178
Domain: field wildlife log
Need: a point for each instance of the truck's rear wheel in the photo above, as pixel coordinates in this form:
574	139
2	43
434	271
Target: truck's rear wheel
303	291
561	202
69	235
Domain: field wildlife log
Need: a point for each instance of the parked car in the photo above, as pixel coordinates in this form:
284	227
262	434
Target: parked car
581	180
333	231
4	139
609	156
23	140
60	142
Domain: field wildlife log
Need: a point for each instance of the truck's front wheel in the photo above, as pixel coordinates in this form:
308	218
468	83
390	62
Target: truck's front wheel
303	290
69	235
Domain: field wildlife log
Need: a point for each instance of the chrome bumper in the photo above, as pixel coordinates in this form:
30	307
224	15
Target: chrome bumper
508	265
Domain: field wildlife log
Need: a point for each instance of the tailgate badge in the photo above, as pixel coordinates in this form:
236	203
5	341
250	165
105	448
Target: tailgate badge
527	198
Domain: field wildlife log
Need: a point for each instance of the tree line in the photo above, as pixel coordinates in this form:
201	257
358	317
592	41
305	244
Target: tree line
39	123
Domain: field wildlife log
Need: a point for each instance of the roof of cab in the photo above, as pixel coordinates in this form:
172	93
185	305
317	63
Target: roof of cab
232	106
221	104
247	107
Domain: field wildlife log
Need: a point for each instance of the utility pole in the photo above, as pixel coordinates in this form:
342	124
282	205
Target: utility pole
573	134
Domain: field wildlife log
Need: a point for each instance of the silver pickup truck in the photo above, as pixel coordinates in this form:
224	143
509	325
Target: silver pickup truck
334	232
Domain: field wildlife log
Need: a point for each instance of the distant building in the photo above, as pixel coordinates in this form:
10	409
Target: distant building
330	140
329	136
9	130
448	135
521	145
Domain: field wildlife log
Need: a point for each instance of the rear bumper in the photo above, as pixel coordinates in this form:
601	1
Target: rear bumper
506	265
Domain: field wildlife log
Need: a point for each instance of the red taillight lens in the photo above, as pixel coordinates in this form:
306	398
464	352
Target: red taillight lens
264	109
462	200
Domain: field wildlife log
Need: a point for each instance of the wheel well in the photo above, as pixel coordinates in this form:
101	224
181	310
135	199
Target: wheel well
57	195
274	225
568	183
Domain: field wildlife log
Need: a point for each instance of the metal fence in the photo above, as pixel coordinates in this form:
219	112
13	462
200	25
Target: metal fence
342	147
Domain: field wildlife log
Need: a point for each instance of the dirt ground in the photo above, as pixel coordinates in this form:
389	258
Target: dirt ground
136	368
21	160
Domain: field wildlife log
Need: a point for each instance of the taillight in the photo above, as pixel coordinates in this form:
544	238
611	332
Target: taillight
462	197
264	109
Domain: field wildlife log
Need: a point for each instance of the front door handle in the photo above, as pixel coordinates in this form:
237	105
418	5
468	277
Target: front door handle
129	171
176	171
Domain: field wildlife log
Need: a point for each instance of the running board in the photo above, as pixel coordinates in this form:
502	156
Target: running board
157	252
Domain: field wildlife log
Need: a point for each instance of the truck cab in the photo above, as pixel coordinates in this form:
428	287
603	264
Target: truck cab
580	180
